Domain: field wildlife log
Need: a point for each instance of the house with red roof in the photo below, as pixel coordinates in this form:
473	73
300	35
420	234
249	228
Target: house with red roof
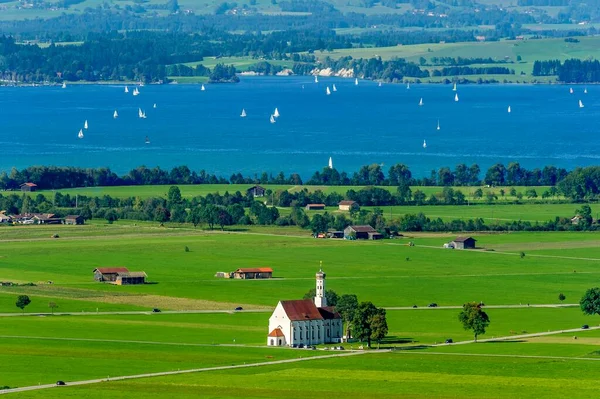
305	321
248	273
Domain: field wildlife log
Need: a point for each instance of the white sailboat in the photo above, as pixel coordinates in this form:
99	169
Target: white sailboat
456	97
421	101
379	84
80	135
570	90
330	163
316	79
85	124
147	140
580	104
154	106
454	88
328	92
243	114
202	88
136	92
408	86
276	113
64	85
509	109
334	88
141	114
356	82
272	119
424	144
115	114
438	126
126	89
585	91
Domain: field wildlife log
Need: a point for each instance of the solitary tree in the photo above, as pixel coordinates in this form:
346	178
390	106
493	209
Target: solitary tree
590	302
379	327
22	301
346	307
52	305
366	325
111	216
561	297
474	318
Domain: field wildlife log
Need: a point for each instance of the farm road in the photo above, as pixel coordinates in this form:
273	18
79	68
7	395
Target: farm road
143	312
166	373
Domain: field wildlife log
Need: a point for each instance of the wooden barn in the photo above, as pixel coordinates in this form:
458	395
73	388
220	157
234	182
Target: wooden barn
74	219
128	278
108	273
464	243
365	232
251	273
315	207
28	187
347	205
256	191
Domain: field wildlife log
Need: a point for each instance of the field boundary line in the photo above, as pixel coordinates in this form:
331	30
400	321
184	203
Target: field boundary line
503	355
188	371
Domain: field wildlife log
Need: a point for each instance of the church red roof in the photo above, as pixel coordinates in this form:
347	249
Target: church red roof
302	309
329	313
276	333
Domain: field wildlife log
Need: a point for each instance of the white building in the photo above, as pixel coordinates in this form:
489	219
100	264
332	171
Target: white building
304	321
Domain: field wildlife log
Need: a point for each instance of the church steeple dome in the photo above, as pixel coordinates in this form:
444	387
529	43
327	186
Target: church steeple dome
320	299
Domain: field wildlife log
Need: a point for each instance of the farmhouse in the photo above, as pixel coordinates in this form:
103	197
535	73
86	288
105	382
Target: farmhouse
4	218
108	273
305	321
127	278
256	191
348	205
315	207
46	218
28	187
463	243
253	273
74	219
365	232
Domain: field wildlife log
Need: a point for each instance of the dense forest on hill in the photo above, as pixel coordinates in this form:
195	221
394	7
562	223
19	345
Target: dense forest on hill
569	71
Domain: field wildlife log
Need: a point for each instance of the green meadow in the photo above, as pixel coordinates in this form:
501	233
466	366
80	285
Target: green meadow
41	349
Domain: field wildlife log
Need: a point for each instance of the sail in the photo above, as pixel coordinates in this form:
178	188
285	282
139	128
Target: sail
454	88
580	104
456	97
243	114
126	89
571	90
356	81
116	114
334	88
407	86
85	124
154	106
424	144
64	85
202	88
140	113
136	92
509	109
585	91
421	101
276	113
438	125
272	119
80	135
316	79
379	84
328	91
330	163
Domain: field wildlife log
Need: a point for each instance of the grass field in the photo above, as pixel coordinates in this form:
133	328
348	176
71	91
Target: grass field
38	349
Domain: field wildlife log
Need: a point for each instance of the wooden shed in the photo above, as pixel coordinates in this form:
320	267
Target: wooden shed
464	243
128	278
256	191
74	219
347	205
250	273
28	187
315	207
108	273
364	232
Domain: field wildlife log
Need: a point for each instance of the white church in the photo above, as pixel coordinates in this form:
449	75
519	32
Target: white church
305	321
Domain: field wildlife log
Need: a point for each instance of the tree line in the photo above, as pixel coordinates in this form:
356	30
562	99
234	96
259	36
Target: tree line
570	71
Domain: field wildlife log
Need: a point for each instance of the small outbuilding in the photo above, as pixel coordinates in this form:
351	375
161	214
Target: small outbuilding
28	187
74	219
347	205
5	219
464	243
251	273
364	232
108	273
256	191
129	278
315	207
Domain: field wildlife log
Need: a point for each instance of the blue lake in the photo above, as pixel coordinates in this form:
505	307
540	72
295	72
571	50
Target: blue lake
357	125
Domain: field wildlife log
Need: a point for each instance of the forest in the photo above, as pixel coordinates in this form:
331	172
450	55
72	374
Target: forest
570	71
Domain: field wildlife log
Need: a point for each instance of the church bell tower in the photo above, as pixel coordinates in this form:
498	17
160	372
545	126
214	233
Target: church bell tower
320	300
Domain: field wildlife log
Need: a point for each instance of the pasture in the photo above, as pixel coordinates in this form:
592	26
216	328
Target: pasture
38	349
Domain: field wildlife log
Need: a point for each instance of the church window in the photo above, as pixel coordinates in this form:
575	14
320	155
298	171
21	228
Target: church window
271	342
313	334
319	334
327	333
